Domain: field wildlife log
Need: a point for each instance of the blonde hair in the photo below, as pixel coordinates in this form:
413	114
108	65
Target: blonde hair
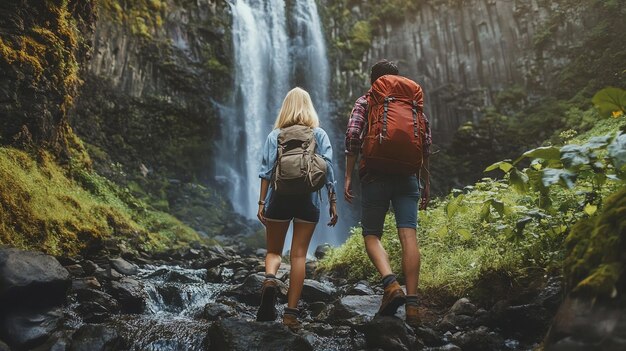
297	109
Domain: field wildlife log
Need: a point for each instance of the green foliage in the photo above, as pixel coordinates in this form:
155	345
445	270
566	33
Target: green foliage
42	207
610	101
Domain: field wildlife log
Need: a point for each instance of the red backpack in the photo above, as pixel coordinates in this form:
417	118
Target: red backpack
396	128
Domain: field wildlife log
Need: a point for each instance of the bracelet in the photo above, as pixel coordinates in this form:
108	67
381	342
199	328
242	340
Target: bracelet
261	202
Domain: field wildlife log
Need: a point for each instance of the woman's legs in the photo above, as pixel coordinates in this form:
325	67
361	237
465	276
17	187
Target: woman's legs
302	233
275	233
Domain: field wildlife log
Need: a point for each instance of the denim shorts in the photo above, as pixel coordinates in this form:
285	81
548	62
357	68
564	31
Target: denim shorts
284	208
378	191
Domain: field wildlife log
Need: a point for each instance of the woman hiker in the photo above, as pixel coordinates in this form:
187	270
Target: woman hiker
279	207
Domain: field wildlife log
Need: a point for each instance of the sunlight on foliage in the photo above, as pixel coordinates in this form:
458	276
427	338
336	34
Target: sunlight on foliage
42	207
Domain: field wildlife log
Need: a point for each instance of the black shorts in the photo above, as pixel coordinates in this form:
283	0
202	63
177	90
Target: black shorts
284	208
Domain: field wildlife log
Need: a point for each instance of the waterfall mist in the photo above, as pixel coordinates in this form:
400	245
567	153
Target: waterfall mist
277	46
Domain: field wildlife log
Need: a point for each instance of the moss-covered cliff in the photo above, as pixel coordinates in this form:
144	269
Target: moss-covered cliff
42	47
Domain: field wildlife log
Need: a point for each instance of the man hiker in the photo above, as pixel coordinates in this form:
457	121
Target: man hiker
388	128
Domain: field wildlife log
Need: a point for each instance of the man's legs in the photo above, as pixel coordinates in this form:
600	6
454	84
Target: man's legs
377	255
410	258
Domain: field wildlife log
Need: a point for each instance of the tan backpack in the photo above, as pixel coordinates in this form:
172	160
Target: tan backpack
298	169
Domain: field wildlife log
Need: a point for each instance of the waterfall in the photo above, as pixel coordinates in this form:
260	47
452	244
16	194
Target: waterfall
261	82
276	47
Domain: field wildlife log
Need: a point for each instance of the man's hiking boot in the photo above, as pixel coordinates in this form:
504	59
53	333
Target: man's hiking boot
392	299
267	310
290	319
412	316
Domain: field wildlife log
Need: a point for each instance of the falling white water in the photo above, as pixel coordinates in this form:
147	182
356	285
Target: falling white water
261	81
269	62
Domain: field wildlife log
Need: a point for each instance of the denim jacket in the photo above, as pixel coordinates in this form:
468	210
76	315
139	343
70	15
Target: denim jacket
323	148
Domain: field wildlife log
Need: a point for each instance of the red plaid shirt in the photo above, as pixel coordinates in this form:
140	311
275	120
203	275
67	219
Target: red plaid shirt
356	125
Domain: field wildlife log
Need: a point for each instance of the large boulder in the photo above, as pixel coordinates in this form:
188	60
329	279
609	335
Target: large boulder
389	333
130	294
24	330
238	335
32	277
313	291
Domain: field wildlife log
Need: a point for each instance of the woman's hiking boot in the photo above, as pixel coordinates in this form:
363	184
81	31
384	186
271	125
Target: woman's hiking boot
290	319
392	299
267	310
412	316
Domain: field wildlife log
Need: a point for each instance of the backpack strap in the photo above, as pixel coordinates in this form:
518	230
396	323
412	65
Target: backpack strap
385	111
415	124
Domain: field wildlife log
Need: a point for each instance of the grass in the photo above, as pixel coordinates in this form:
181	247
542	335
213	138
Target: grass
42	207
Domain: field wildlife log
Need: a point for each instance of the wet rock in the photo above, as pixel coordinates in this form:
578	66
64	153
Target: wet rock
310	268
214	275
447	347
215	311
192	254
27	329
130	295
86	283
357	305
584	323
98	297
260	252
283	272
92	337
75	270
250	290
477	340
453	321
360	288
124	267
428	336
463	306
315	308
32	277
89	267
388	333
322	250
240	275
238	335
313	291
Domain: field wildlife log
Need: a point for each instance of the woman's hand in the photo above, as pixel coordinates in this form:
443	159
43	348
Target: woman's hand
261	214
333	214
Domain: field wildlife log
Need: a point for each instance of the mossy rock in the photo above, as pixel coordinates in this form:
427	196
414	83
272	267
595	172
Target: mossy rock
594	266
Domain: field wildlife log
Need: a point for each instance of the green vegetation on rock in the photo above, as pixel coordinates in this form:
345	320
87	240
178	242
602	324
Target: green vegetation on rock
46	207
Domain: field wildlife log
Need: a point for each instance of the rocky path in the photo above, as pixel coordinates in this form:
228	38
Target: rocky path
205	298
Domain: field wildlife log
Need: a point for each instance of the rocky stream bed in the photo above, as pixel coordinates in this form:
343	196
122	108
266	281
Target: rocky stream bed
205	298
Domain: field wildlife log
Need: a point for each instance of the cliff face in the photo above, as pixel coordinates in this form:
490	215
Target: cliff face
149	87
465	53
42	45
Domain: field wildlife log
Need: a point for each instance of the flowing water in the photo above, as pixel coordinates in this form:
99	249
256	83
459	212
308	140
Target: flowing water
176	297
277	46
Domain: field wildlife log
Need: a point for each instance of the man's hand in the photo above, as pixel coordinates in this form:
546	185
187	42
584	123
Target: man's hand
261	214
425	198
347	190
333	214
